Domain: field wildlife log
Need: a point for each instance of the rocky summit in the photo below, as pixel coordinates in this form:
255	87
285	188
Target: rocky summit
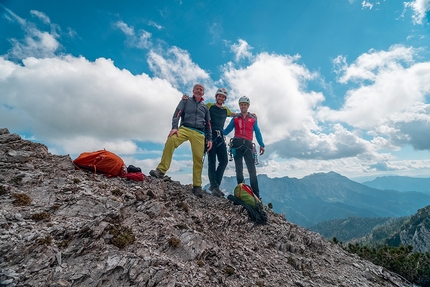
65	227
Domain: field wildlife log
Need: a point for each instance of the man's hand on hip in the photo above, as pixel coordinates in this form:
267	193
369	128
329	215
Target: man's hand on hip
172	132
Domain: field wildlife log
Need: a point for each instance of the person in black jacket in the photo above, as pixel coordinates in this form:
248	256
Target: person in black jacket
219	114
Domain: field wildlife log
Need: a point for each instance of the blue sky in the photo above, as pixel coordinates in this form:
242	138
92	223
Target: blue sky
337	85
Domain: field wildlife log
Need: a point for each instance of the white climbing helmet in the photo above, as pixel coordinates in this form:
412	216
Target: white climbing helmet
222	91
244	99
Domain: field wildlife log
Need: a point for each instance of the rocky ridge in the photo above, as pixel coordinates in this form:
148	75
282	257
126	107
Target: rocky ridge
416	231
65	227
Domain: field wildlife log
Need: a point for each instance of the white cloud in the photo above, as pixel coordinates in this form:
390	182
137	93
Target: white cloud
366	4
67	99
140	39
42	16
369	65
276	87
419	8
75	104
7	68
408	127
341	143
129	31
35	43
12	17
175	65
350	167
388	105
152	23
80	144
143	40
215	30
388	83
241	50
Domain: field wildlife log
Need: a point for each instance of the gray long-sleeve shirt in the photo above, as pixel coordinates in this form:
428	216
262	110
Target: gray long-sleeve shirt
193	115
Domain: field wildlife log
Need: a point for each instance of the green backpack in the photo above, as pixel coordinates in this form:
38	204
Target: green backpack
244	193
244	196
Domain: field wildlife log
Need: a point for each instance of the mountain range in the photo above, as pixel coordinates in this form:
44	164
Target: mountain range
400	183
328	196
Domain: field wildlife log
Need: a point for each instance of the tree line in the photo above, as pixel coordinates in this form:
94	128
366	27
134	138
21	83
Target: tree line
413	266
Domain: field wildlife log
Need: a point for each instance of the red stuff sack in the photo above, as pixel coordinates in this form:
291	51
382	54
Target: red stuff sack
136	176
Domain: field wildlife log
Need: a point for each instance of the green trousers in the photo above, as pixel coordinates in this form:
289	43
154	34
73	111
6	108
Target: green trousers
197	141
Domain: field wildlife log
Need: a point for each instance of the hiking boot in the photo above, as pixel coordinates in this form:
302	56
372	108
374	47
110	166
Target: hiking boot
197	191
156	173
217	192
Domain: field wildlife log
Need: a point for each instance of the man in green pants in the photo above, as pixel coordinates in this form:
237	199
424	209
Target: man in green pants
195	127
218	113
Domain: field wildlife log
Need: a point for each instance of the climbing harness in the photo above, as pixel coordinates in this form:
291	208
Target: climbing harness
232	151
218	135
254	151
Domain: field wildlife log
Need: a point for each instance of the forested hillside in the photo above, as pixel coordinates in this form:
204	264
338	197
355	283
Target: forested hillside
348	229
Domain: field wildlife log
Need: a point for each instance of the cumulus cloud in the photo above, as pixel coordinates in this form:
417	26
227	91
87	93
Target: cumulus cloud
276	86
341	143
388	106
419	8
175	65
69	99
388	83
75	104
409	127
242	50
369	65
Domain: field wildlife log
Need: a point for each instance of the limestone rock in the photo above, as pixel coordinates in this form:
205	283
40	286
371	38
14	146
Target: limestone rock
78	230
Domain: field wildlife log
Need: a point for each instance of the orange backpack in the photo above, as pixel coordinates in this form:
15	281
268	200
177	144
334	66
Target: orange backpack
101	161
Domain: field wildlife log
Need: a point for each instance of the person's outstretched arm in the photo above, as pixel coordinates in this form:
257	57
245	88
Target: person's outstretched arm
259	137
